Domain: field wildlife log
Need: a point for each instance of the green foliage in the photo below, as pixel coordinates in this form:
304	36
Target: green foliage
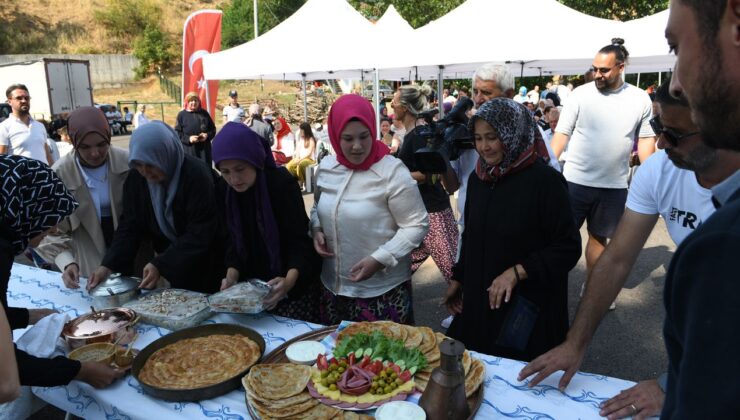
417	13
617	9
24	33
237	23
125	20
154	50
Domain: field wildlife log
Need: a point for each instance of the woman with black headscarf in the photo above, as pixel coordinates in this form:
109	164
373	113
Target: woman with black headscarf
32	202
510	287
267	222
168	200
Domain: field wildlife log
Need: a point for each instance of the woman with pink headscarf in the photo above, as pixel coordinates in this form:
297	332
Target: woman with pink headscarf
367	217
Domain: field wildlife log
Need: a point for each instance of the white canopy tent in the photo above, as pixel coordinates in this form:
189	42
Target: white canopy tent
332	40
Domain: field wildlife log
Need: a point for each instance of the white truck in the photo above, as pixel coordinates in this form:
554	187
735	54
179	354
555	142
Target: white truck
57	86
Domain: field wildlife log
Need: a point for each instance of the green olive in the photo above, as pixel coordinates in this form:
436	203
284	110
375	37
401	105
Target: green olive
398	381
333	387
324	373
387	390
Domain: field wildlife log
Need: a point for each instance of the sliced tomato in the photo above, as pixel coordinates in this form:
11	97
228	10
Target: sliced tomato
365	362
396	368
334	361
352	359
405	376
321	362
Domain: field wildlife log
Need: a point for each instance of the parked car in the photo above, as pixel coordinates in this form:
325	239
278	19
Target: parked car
385	90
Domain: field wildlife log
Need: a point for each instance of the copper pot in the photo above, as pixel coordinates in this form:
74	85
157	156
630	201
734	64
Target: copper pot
103	326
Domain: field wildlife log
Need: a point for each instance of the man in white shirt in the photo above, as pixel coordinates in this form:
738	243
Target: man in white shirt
673	183
20	134
233	111
599	125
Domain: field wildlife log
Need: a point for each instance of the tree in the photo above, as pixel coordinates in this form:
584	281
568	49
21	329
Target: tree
237	22
617	9
153	48
417	13
125	20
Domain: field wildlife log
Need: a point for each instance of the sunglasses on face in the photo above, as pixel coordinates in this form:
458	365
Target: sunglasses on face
670	136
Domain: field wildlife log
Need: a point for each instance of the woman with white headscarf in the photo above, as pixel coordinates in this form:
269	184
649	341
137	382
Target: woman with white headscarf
168	200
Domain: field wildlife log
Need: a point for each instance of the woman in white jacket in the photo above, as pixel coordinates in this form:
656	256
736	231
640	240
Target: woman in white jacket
367	218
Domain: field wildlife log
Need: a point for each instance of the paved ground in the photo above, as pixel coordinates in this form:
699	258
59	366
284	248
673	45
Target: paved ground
629	342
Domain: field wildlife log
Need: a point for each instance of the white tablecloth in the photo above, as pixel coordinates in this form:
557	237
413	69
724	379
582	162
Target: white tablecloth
504	397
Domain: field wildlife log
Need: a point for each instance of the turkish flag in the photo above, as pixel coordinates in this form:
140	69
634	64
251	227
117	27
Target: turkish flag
200	36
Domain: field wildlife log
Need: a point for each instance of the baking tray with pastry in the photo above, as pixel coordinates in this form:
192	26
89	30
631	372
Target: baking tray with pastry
198	363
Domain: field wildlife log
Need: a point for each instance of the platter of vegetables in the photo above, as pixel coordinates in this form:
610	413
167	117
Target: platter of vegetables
366	371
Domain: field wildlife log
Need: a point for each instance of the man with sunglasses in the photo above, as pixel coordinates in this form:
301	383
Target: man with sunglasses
673	183
599	124
20	134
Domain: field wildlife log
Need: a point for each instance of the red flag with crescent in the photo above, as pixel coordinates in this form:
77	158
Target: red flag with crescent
200	36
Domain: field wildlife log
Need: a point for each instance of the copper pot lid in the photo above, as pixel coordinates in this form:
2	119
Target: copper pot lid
97	323
114	285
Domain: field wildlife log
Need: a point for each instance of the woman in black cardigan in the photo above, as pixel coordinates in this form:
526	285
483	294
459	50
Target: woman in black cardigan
196	129
32	201
510	284
267	222
168	200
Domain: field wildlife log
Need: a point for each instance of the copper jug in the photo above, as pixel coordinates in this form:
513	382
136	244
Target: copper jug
444	396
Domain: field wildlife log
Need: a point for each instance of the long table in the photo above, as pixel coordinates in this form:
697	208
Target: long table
504	396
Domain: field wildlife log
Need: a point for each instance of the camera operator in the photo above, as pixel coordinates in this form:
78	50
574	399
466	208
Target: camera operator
441	241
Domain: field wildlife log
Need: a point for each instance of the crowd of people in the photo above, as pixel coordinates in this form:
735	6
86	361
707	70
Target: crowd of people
222	206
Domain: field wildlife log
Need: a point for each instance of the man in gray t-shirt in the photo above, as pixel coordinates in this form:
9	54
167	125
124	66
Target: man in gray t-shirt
599	124
254	121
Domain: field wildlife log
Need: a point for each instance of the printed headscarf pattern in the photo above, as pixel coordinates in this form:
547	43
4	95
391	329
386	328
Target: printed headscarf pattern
350	107
158	145
32	199
522	141
237	141
85	120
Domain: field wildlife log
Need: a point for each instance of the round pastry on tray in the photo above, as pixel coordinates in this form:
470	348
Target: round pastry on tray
198	363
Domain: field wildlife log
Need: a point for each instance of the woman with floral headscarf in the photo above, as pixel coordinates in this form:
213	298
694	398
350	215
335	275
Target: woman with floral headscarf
32	201
94	173
267	223
510	287
367	217
168	200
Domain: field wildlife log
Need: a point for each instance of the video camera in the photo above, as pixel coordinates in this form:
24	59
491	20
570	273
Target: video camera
445	138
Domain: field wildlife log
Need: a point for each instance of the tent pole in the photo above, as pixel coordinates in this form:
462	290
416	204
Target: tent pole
660	78
440	87
376	101
305	99
256	31
638	80
521	72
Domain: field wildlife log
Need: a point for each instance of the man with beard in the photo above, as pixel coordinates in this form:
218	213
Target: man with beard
702	287
599	125
666	186
20	134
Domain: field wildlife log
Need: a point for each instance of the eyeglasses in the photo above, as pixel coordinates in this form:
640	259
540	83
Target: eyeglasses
671	137
603	70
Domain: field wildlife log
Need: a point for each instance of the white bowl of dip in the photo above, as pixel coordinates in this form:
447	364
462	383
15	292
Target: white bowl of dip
395	410
304	352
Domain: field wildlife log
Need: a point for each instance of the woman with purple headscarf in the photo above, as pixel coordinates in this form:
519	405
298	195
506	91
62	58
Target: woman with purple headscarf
267	223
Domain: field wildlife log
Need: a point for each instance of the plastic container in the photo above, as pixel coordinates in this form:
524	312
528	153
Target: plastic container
400	410
173	309
242	298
